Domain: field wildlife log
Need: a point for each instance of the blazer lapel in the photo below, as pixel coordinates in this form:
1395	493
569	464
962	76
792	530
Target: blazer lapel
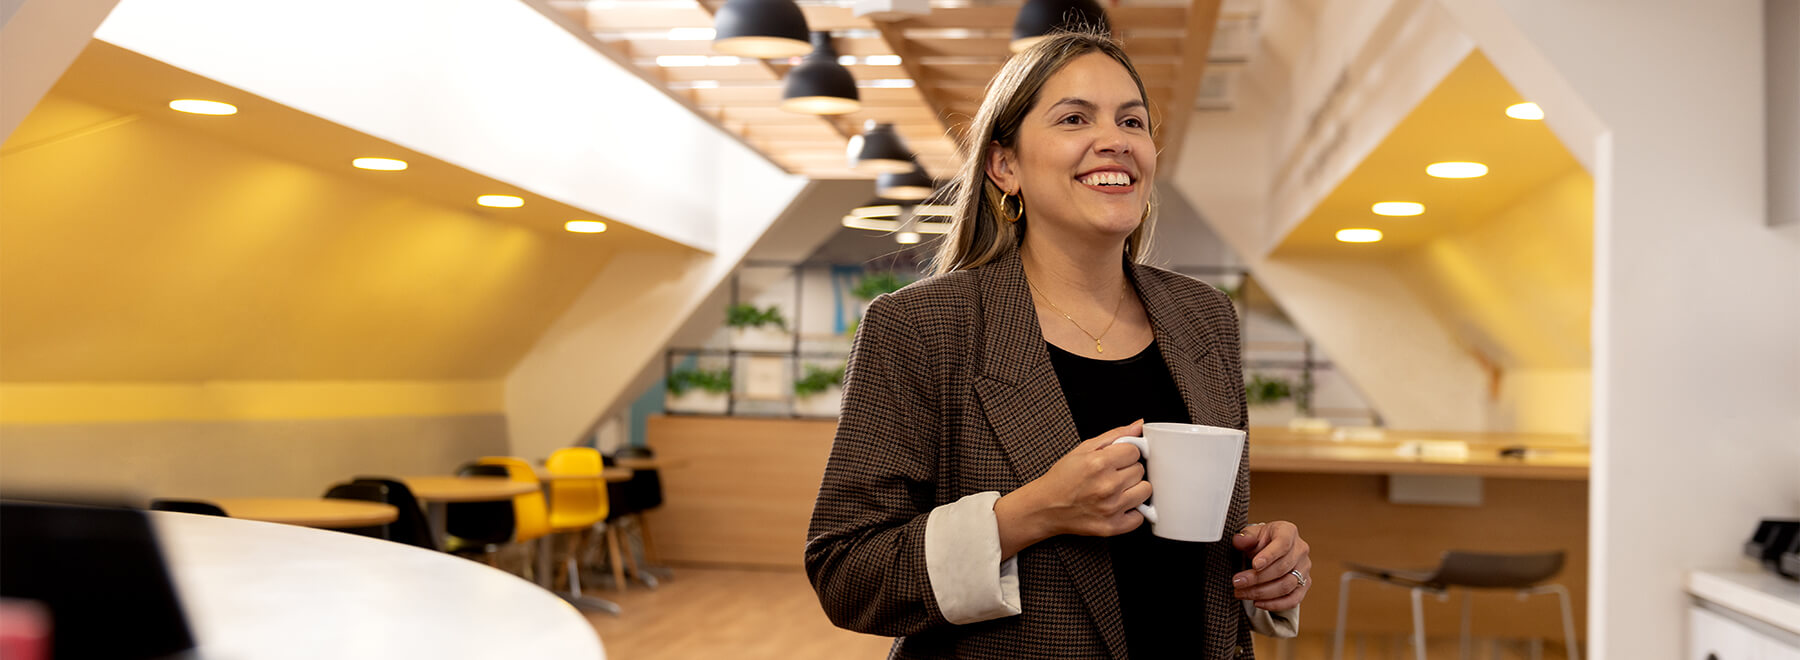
1183	343
1187	350
1026	409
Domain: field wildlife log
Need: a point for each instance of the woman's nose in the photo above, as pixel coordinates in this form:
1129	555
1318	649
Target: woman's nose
1113	141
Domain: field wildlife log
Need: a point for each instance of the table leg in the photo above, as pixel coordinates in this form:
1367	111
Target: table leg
438	514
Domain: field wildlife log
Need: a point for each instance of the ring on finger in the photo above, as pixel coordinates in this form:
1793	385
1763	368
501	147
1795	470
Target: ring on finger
1298	576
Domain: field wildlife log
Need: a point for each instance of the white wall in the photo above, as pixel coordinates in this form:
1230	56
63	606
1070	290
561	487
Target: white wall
1697	301
493	87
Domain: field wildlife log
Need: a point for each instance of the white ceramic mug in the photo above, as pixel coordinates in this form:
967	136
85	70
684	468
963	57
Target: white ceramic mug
1192	471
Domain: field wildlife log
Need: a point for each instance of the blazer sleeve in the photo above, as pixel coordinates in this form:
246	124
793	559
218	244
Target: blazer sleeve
865	550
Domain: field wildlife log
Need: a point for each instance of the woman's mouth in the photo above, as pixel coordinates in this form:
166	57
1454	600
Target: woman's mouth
1108	181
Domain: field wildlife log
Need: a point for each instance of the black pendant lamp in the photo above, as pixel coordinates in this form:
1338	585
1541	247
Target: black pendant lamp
911	186
1041	18
819	85
880	150
765	29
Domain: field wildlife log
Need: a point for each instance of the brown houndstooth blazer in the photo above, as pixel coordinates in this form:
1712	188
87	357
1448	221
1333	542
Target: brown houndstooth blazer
950	392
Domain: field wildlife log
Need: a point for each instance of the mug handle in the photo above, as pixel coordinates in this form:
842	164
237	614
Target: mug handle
1143	449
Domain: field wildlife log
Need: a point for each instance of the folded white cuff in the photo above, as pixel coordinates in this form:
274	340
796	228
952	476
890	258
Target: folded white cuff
962	558
1285	623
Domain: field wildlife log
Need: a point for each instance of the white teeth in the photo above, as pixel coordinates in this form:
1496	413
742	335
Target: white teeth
1108	178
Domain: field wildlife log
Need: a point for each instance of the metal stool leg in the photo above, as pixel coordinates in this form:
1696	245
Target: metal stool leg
1568	617
1418	607
1464	647
1343	613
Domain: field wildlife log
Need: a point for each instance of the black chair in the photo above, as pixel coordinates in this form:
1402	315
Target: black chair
630	499
361	492
479	527
100	573
188	506
1520	573
411	528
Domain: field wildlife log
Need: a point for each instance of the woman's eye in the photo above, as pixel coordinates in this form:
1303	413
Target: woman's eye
1133	122
1071	119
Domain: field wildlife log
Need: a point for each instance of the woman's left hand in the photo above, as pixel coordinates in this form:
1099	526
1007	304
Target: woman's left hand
1281	566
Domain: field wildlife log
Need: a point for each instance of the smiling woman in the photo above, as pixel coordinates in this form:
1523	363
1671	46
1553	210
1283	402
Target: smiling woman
977	503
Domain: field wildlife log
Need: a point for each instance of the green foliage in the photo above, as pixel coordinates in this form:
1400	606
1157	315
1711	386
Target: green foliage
818	379
850	331
746	315
716	381
1231	292
1263	390
872	285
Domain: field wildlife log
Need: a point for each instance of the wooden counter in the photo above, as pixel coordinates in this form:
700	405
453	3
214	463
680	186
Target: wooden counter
740	491
1551	457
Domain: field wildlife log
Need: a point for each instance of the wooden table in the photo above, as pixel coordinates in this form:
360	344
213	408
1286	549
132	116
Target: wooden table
611	475
307	512
259	590
439	491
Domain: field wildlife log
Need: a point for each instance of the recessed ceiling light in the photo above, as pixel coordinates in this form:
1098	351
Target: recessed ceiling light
500	201
906	237
1456	170
1398	209
882	60
199	107
585	226
1529	111
380	164
1359	235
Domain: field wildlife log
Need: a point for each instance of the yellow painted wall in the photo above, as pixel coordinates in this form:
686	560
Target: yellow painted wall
145	253
1518	285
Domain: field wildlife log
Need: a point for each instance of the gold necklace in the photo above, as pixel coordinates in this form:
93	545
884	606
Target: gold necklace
1109	324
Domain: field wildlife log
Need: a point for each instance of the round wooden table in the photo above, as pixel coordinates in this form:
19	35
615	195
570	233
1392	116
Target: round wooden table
309	512
611	475
258	590
465	489
438	491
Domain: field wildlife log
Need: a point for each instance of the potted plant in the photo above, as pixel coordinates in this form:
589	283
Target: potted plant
1265	395
695	390
758	329
819	391
872	285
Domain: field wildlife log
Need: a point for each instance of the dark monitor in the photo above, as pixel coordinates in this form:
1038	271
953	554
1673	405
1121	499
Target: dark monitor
100	573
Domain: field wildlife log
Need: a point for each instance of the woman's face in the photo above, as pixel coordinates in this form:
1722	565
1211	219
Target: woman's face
1084	161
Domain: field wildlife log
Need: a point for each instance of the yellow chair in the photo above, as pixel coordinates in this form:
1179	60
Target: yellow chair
531	518
577	503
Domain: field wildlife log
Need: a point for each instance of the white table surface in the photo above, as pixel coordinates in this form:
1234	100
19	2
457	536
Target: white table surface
256	590
1759	594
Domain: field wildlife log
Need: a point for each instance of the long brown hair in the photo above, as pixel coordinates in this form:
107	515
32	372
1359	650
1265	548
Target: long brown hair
978	231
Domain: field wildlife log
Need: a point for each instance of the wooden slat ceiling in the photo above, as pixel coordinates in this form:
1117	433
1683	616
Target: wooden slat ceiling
930	91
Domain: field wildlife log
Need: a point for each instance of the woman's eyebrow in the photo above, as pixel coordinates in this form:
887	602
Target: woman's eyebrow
1090	106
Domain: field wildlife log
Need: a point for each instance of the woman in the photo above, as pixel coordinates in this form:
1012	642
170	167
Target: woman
961	510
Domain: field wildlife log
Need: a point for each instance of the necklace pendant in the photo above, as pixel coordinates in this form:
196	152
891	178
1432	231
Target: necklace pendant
1098	349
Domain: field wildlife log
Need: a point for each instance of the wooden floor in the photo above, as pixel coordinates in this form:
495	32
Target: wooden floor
721	613
750	614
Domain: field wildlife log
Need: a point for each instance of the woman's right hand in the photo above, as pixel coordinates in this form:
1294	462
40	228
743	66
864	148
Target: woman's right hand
1094	490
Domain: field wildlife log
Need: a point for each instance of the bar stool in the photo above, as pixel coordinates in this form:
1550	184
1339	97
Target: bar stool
1519	573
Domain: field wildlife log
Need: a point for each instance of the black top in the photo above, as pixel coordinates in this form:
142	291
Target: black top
1160	581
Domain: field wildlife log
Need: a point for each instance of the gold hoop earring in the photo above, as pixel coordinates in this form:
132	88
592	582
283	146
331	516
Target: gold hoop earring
1012	217
1146	217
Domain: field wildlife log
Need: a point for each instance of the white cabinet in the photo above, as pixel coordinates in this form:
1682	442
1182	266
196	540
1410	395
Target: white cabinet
1743	615
1713	637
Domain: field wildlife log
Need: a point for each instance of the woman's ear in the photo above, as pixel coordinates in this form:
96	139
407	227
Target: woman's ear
1002	168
